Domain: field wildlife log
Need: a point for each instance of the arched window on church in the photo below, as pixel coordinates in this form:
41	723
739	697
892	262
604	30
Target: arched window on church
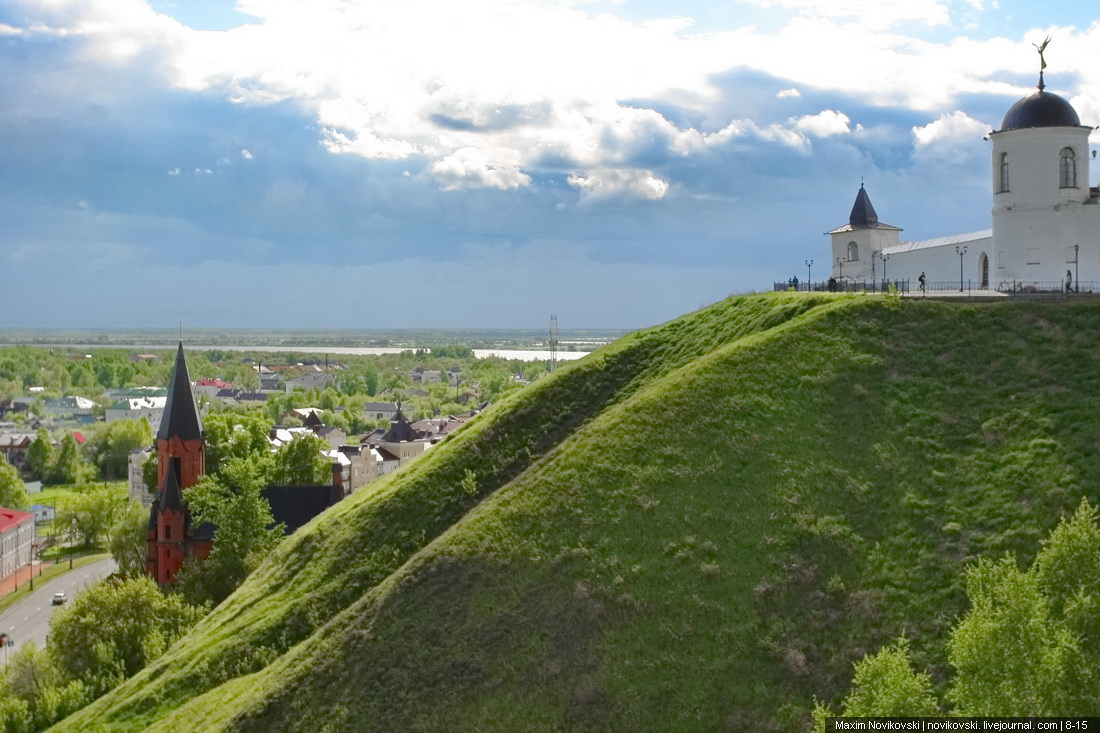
1003	187
853	251
1067	169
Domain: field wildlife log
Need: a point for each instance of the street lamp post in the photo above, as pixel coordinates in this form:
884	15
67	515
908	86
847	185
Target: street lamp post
1076	270
961	251
72	539
885	280
840	264
809	280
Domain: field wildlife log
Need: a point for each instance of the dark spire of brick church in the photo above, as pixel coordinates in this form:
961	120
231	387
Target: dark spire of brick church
863	214
181	414
171	496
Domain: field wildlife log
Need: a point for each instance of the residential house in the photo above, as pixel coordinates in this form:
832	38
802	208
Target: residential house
380	410
135	478
209	388
309	380
135	408
74	406
14	447
15	406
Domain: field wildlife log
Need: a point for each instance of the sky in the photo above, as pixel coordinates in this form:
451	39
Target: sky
487	163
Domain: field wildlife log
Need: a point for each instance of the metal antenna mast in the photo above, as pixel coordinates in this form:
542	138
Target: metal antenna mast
553	342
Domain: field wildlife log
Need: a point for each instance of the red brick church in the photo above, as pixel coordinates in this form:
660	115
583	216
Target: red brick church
180	464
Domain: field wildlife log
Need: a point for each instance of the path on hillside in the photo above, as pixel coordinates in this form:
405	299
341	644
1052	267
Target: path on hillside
29	619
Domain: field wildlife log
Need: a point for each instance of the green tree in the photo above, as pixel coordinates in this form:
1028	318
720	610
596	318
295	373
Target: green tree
93	510
114	628
35	694
245	529
128	543
1026	647
69	467
41	455
301	463
885	685
13	492
232	435
113	443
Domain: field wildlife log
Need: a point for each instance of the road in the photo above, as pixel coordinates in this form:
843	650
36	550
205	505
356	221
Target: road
29	619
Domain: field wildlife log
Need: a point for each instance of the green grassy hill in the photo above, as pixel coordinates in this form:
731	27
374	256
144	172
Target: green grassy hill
699	527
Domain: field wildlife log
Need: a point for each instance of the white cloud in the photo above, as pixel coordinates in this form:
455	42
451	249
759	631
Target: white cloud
953	139
174	172
824	124
949	130
871	13
480	92
468	167
609	183
246	154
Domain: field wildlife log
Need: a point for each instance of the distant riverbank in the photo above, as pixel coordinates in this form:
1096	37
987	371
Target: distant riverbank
519	354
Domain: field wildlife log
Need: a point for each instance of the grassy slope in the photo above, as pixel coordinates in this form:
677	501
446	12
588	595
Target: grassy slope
697	528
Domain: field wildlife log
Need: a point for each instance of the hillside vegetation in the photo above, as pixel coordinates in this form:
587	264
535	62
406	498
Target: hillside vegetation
699	527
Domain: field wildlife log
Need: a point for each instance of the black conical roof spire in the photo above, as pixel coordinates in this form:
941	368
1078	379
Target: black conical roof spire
181	414
863	214
171	495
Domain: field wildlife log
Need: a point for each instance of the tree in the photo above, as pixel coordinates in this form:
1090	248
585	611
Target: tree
41	455
232	435
245	534
128	539
13	493
113	443
34	693
69	467
885	685
301	463
1028	646
93	510
114	628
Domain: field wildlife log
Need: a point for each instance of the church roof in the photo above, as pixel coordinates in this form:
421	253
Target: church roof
1041	109
170	495
863	216
863	213
939	242
294	506
181	414
401	430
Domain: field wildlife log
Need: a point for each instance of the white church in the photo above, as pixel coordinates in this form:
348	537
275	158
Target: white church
1046	216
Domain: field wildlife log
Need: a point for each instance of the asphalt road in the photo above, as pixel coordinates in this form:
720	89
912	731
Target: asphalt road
29	619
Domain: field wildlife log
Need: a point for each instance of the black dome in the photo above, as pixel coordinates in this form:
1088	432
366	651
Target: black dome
1041	109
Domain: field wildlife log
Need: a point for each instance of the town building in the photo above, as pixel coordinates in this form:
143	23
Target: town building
181	462
14	447
16	540
1045	232
171	536
136	408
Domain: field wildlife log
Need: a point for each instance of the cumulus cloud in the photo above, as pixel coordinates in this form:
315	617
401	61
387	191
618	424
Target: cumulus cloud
609	183
824	124
949	130
481	93
952	139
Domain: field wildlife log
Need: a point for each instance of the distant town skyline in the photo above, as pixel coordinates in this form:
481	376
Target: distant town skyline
404	164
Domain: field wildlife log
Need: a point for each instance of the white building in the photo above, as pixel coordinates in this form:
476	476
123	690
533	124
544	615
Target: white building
1046	217
16	540
135	408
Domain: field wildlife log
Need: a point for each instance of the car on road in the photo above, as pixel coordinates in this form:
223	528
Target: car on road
59	598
